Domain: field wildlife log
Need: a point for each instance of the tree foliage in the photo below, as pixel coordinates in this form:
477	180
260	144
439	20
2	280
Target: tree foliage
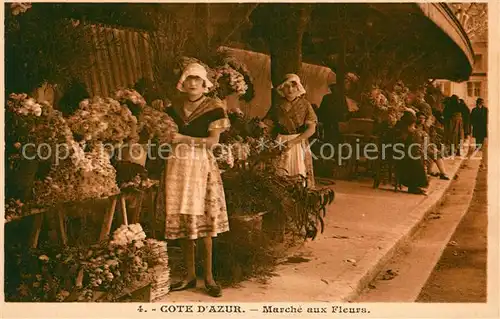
42	45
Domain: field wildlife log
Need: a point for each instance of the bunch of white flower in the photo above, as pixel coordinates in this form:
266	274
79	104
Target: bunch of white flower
128	234
23	105
378	99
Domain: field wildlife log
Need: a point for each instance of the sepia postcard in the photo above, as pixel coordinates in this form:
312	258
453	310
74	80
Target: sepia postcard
251	159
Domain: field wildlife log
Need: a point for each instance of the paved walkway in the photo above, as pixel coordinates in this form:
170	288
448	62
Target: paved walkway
363	228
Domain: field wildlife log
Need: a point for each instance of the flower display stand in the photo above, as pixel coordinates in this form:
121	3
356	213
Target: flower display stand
40	212
108	217
38	217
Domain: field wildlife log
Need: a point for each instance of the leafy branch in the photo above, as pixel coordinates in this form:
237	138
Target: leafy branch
260	186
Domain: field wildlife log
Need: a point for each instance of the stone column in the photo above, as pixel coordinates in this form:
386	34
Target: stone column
287	25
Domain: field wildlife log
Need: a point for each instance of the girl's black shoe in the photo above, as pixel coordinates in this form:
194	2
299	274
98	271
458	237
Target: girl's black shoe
444	177
417	191
183	285
213	290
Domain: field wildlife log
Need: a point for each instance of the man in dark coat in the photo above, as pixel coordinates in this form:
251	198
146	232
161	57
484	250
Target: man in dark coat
479	121
331	112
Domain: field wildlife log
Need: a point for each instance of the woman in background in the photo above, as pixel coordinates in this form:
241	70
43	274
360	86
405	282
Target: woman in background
293	121
433	154
410	166
454	124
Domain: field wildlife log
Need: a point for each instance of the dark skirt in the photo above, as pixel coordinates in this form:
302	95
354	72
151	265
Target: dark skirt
411	167
411	173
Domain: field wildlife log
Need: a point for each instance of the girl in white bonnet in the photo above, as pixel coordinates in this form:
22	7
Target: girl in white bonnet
293	122
192	195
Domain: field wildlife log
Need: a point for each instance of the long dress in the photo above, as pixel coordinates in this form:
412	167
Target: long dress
410	166
457	130
330	113
428	142
454	126
289	120
192	197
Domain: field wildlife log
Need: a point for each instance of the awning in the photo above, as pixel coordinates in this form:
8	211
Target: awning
425	35
443	17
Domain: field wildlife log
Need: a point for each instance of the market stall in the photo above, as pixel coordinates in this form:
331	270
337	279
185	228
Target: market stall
80	200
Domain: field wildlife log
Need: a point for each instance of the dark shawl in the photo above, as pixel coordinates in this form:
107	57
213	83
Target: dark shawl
210	114
291	117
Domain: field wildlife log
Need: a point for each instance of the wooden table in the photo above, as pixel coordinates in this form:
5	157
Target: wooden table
39	212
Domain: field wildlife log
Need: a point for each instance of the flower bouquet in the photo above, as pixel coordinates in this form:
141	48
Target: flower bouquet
131	99
379	100
229	81
28	121
83	176
156	125
105	120
376	104
240	67
151	122
24	105
240	139
397	102
13	209
129	96
128	234
35	134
